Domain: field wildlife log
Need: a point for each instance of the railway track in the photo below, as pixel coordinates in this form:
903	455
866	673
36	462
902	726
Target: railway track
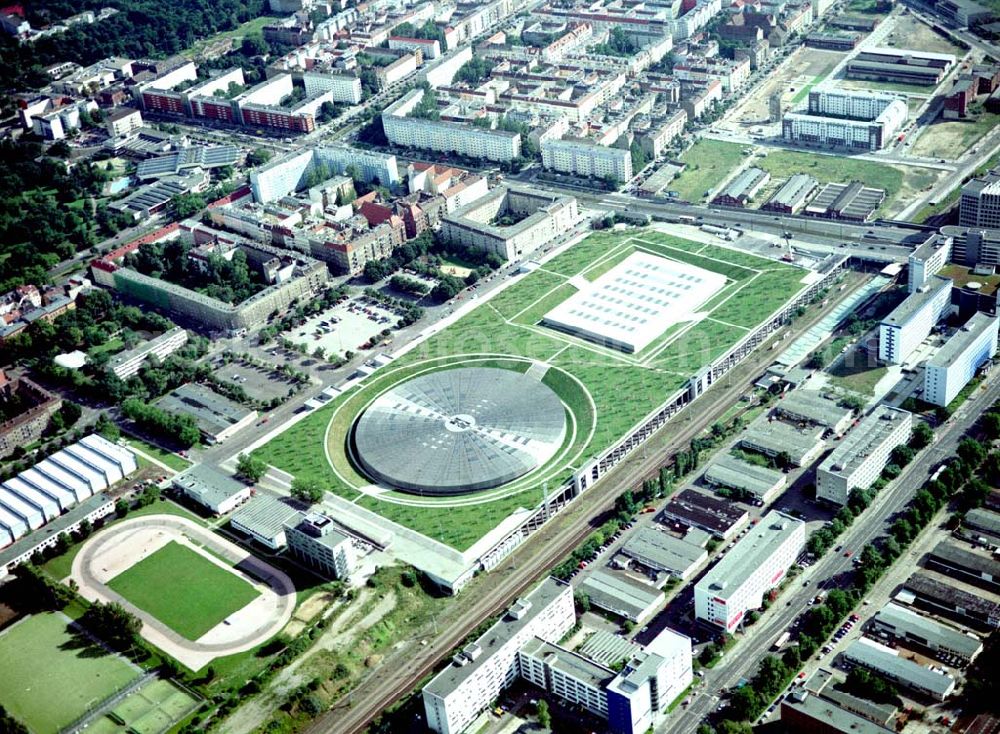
537	555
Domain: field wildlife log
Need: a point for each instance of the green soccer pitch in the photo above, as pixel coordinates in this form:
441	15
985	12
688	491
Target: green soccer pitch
606	392
52	676
183	589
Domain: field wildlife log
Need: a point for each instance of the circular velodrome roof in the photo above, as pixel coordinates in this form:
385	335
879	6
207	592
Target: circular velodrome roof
459	430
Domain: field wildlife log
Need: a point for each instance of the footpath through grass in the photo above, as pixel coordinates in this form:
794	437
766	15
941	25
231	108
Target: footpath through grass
183	589
50	676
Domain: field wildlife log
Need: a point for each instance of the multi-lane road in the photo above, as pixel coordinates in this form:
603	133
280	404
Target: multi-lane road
834	568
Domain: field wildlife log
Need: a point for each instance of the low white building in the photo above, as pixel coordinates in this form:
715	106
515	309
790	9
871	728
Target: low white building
755	565
478	674
888	663
217	492
127	363
948	371
910	322
862	455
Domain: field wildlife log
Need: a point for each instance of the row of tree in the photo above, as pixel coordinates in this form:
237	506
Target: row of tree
178	429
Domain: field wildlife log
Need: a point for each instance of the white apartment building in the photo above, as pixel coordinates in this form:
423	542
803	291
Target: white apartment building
927	260
586	158
122	121
127	363
862	455
447	137
429	48
957	361
844	119
572	677
458	694
910	322
345	88
756	564
286	174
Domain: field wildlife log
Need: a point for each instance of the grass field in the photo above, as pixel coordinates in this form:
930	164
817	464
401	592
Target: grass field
708	162
49	676
897	182
250	28
590	379
950	139
183	589
175	462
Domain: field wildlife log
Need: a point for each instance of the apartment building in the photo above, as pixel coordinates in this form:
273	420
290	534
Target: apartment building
861	456
345	88
129	362
911	321
542	216
484	668
572	677
290	173
957	362
447	137
587	158
845	119
756	564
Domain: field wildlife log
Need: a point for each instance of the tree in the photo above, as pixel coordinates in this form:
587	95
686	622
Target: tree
544	716
258	157
902	455
743	703
971	452
186	206
307	490
250	468
122	508
10	725
583	602
118	627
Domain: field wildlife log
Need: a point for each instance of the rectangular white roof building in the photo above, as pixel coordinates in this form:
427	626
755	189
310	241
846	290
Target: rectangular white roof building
757	563
889	663
49	488
636	301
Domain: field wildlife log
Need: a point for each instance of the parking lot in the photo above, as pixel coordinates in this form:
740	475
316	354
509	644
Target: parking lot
347	327
261	384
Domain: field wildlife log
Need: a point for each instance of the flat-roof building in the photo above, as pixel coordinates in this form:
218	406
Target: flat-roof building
635	302
947	644
316	541
127	363
757	563
774	438
731	473
694	509
570	676
486	667
263	518
806	713
861	456
899	66
810	406
926	260
949	600
651	680
218	417
621	595
889	663
984	525
912	320
217	492
957	362
663	552
840	118
974	567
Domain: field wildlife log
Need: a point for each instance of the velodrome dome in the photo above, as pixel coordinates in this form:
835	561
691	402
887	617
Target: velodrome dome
459	430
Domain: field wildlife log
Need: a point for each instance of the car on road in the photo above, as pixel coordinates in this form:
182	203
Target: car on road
848	554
